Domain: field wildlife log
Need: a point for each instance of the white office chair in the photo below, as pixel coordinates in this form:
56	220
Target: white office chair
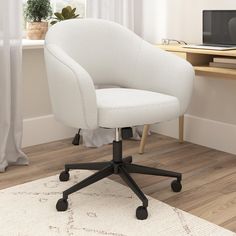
156	87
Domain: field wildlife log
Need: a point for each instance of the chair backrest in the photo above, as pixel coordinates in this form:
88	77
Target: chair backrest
106	50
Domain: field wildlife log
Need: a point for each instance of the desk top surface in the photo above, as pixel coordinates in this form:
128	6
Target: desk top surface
180	48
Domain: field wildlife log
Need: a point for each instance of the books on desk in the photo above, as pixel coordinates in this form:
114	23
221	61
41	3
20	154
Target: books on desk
223	62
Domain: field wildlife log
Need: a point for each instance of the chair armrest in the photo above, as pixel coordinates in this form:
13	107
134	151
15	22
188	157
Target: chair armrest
164	72
71	88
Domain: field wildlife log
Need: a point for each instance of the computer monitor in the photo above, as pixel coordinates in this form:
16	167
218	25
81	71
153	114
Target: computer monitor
219	27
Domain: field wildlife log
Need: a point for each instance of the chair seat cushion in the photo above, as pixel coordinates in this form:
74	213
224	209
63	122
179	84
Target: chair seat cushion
121	107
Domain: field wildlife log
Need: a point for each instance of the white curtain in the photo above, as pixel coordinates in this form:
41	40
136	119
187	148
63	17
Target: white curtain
10	84
147	18
120	11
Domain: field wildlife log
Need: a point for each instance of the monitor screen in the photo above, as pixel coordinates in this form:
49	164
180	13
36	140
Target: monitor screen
219	27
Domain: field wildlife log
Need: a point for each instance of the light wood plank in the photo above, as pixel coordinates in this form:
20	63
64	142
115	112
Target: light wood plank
216	72
180	48
181	129
144	138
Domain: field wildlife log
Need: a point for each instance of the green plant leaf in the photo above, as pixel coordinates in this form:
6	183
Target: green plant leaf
69	8
66	13
73	11
59	16
53	22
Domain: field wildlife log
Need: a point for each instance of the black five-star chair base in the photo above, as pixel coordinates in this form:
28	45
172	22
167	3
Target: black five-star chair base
122	167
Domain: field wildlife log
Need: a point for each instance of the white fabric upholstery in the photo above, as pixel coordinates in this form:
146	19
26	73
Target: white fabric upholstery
81	53
72	90
120	107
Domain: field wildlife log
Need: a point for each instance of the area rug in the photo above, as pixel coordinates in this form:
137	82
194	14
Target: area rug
104	208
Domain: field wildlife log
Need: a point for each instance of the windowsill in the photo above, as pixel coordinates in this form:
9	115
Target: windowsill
32	44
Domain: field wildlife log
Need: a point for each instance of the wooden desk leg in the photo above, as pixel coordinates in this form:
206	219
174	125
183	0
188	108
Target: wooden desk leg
144	138
181	129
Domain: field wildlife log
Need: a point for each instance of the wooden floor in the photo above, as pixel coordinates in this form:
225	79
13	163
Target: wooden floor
209	176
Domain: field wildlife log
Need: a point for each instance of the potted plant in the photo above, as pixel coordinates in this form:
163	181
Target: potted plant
35	12
66	14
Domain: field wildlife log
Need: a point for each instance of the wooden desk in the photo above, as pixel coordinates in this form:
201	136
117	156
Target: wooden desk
200	59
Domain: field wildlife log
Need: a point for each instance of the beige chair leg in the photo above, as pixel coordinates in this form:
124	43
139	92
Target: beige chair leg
144	138
181	129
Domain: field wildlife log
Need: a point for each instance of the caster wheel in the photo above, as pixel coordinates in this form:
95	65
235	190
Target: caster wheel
62	204
128	159
64	176
141	213
176	186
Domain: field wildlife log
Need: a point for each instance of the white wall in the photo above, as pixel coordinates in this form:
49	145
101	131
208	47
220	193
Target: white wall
35	89
39	126
175	19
